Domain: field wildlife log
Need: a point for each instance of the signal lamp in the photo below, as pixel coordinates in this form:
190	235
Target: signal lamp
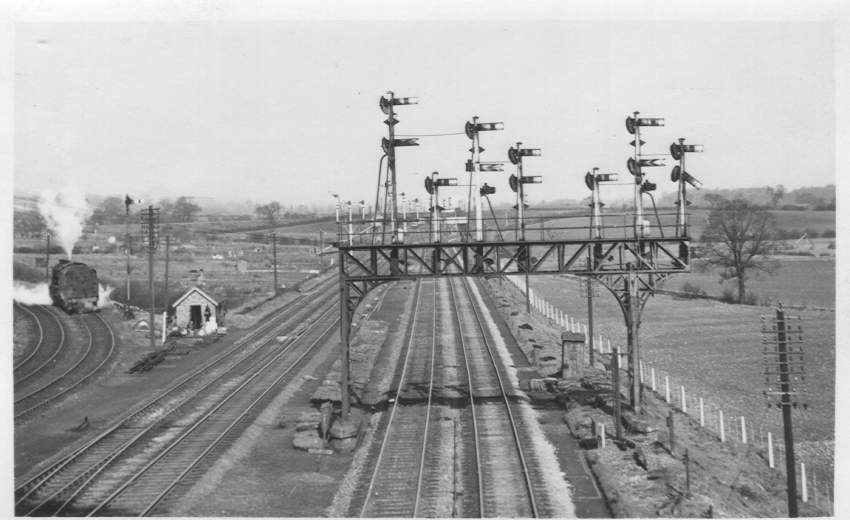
590	179
635	166
677	174
385	102
632	123
487	190
515	154
524	206
647	186
677	149
486	166
471	128
385	143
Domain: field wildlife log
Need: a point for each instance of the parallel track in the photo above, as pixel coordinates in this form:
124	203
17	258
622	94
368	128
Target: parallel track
52	342
396	485
36	341
451	442
54	489
505	485
99	349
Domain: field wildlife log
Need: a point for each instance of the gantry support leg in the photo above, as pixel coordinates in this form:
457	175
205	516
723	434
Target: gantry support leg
344	330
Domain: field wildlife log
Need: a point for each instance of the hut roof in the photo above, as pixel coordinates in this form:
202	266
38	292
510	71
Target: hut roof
179	300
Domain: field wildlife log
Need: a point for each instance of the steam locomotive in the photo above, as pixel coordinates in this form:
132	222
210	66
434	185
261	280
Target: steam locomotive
74	287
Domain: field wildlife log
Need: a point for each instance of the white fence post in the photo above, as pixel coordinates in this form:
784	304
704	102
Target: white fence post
609	347
770	449
701	413
640	366
722	429
667	388
743	430
803	481
684	403
602	433
651	373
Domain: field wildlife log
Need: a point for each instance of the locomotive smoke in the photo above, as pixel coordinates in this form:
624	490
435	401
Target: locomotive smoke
64	212
31	294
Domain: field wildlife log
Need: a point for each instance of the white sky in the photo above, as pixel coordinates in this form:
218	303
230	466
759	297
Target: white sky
271	109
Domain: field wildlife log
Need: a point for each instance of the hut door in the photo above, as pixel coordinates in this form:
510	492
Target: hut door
195	316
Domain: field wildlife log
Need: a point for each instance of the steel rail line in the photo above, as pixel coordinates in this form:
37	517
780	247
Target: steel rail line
504	399
229	430
137	433
170	398
399	445
211	418
60	344
38	343
85	377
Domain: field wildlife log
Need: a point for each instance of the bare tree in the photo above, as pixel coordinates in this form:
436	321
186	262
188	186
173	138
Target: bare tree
740	238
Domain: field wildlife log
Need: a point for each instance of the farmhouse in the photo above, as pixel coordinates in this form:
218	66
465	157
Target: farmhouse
196	310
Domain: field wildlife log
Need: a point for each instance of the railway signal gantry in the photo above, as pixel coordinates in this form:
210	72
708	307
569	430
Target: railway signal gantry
626	258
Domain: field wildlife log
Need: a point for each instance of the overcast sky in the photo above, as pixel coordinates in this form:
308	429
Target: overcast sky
288	109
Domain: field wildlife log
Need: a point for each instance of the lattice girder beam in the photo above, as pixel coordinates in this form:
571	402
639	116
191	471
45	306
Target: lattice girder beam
653	256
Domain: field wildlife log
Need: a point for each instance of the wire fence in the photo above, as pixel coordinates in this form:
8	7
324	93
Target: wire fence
815	479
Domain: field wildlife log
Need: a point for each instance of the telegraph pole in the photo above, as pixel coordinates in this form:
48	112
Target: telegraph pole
785	389
165	285
150	236
127	203
274	260
47	259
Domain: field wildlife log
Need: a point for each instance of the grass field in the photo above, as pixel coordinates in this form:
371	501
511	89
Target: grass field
799	281
715	350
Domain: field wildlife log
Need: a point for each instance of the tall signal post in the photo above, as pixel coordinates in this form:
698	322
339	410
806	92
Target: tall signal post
517	183
474	166
150	237
387	102
682	177
128	201
432	186
592	181
631	301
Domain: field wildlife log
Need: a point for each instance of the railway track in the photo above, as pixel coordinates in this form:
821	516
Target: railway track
130	468
50	344
97	349
454	442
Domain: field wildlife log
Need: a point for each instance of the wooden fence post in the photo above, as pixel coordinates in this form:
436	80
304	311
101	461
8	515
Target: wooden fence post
684	402
743	430
803	482
770	449
652	376
722	429
701	413
667	388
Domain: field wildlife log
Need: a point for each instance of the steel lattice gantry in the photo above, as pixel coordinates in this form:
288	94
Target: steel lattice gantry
629	268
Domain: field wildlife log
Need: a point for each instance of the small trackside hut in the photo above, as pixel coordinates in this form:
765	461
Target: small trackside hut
196	311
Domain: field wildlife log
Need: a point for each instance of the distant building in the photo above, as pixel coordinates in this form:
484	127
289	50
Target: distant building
195	310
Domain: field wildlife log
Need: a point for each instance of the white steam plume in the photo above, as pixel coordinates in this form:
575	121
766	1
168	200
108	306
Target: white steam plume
31	294
65	212
103	295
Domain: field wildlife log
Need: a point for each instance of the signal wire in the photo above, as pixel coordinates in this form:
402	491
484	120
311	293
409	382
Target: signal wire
431	135
657	217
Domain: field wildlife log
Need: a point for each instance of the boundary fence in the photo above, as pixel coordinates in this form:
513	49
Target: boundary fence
814	482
